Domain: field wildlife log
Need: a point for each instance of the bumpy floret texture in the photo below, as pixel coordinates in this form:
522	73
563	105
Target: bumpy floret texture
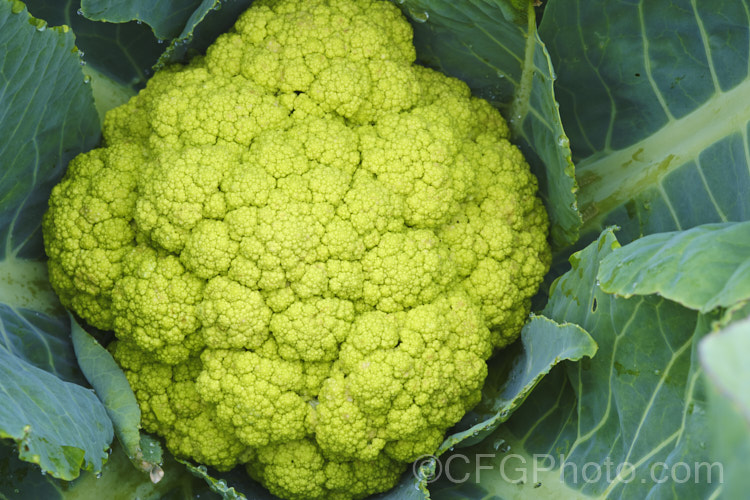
307	246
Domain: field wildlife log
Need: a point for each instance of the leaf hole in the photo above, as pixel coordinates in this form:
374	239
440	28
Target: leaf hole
594	305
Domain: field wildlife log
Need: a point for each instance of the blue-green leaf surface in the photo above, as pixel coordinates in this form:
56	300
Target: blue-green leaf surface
46	117
635	412
496	50
655	98
59	425
166	17
702	268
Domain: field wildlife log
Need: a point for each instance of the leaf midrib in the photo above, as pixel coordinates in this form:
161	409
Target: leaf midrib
610	178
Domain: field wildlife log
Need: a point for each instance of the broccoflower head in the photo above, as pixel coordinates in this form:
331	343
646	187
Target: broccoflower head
306	245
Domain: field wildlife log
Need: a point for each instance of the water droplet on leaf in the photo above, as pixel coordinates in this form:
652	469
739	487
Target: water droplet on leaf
419	16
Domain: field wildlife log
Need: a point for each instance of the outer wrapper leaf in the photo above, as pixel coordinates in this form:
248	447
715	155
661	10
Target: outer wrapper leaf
47	117
655	97
701	268
59	425
166	17
111	386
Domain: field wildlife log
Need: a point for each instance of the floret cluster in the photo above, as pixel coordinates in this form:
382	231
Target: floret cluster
307	246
